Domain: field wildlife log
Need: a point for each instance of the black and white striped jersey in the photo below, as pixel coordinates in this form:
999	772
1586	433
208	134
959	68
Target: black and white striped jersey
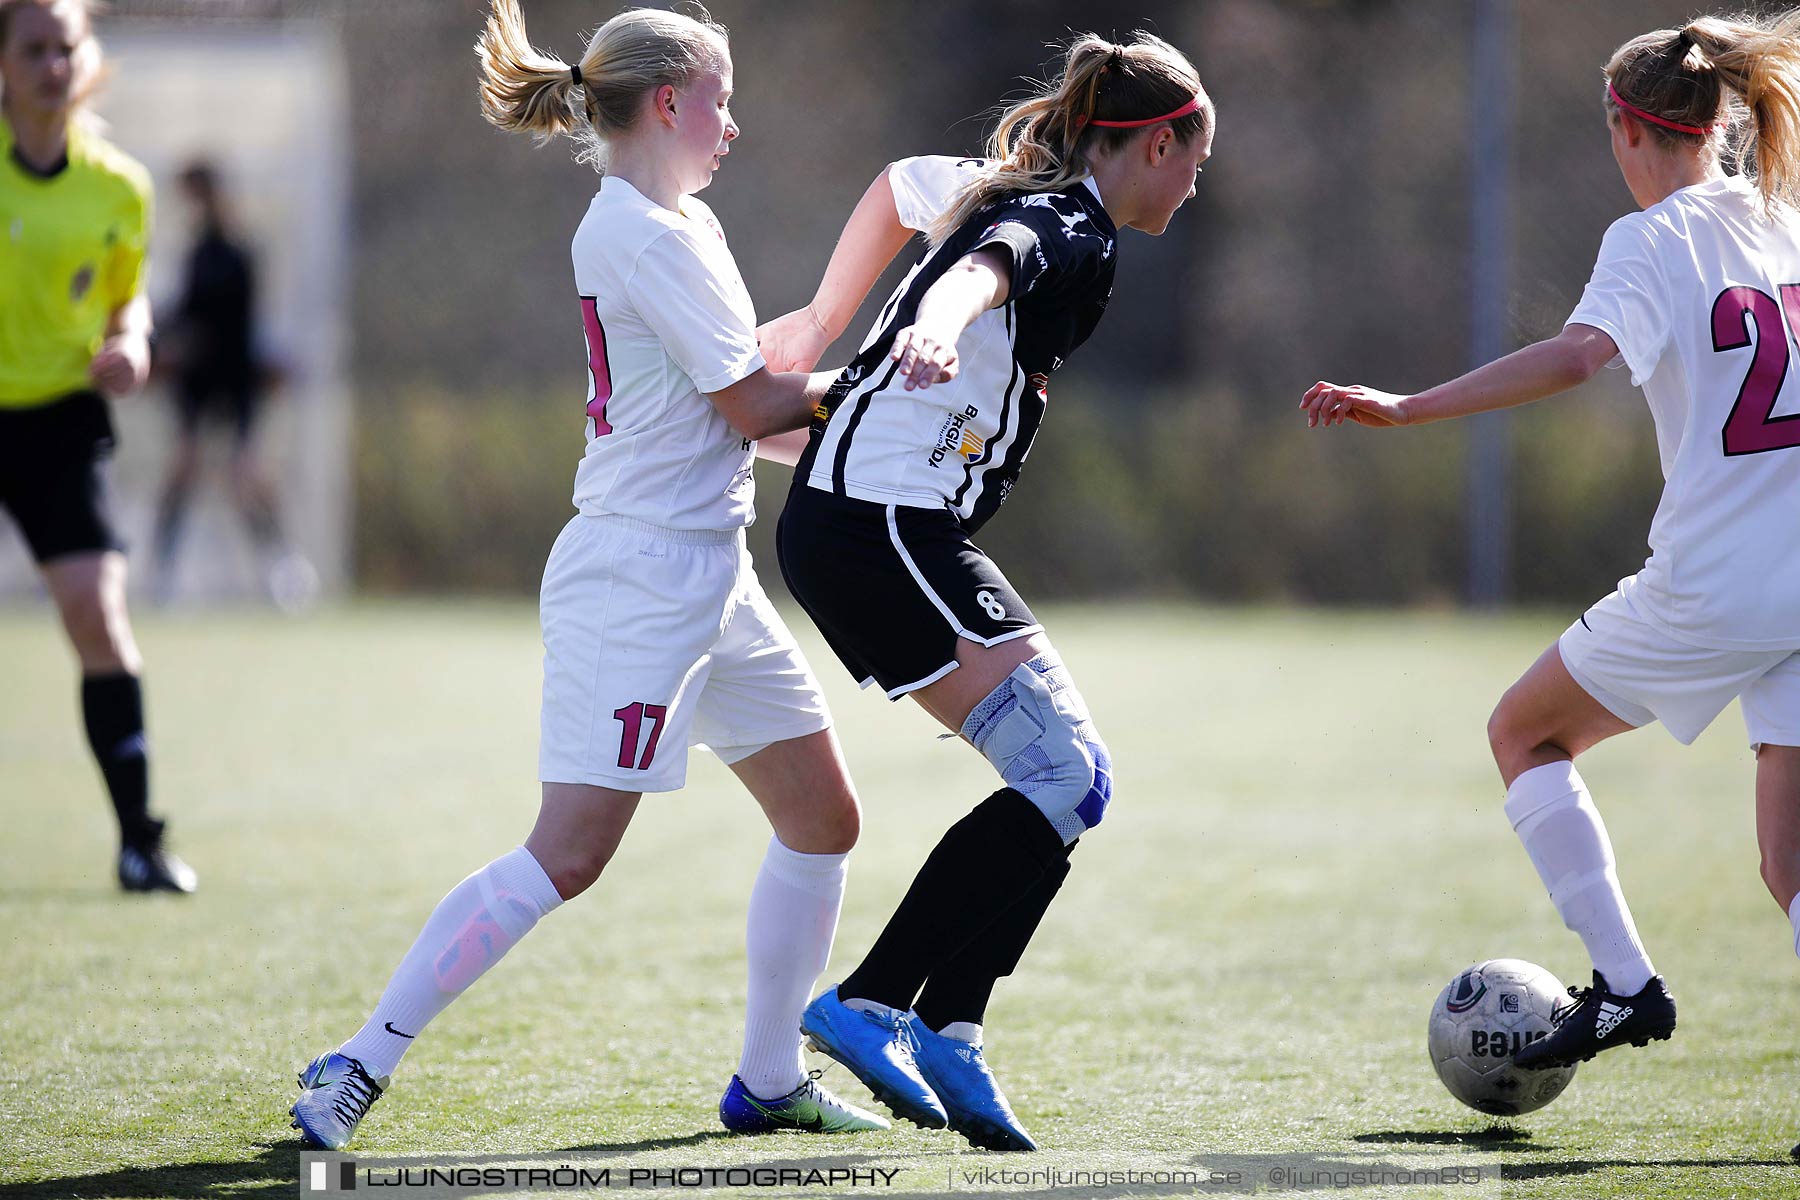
960	445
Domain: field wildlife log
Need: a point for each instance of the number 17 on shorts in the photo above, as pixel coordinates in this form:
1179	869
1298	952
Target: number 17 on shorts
641	728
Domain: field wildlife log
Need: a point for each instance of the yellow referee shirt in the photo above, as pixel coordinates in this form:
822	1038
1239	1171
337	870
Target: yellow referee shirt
72	251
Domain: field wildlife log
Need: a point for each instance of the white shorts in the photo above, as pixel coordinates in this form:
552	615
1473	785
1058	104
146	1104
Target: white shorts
657	639
1641	674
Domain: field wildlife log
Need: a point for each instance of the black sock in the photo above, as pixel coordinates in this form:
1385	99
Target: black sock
983	865
112	706
959	990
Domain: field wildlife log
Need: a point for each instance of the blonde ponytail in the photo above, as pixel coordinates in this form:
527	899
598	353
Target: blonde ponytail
1760	65
527	90
1734	79
1044	143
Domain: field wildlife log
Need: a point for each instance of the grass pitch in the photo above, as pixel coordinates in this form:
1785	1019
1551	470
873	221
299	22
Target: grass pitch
1306	845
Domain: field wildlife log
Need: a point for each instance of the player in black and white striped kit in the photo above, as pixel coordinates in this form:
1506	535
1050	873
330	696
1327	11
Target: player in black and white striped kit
915	446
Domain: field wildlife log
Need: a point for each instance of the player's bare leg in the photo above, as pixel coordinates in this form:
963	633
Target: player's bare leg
89	591
1778	826
291	580
805	791
1778	831
1540	725
578	829
171	510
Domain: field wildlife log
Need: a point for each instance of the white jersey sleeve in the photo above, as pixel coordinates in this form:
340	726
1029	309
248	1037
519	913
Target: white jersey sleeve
924	187
1628	296
686	301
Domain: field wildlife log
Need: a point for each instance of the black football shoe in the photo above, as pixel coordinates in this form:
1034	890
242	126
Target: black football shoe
1598	1019
147	865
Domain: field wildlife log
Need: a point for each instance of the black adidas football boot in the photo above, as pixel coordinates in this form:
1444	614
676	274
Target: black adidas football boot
1597	1019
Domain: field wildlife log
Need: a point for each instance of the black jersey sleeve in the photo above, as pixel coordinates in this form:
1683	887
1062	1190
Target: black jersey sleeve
1055	246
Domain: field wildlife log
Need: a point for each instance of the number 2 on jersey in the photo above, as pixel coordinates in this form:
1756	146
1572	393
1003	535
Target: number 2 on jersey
1750	429
632	717
598	368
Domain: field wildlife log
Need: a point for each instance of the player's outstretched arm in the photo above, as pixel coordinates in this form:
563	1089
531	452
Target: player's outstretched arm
768	402
871	238
926	349
1541	369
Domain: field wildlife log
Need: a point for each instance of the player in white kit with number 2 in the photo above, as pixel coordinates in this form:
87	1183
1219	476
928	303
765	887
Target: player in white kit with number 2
1698	295
657	634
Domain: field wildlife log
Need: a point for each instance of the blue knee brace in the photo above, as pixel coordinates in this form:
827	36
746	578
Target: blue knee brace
1036	731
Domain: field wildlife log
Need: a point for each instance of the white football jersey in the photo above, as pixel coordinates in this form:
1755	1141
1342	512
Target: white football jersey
667	319
1701	293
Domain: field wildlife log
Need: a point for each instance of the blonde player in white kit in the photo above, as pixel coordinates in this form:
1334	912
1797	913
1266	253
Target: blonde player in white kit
1698	296
657	634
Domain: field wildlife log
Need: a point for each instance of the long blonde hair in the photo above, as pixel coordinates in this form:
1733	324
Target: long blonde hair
1044	142
1692	76
90	73
526	90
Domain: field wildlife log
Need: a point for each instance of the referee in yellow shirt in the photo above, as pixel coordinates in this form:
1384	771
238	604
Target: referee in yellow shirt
74	323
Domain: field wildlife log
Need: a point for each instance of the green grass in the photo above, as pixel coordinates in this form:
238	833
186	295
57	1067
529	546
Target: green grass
1307	844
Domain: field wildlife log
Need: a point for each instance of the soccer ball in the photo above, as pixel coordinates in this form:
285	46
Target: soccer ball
1486	1015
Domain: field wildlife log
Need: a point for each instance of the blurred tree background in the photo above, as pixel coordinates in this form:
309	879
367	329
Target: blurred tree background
1330	239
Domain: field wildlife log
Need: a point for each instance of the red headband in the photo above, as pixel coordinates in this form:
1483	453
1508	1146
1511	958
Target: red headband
1192	106
1641	115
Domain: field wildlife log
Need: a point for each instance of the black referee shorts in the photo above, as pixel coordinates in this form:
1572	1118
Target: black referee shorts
53	478
892	587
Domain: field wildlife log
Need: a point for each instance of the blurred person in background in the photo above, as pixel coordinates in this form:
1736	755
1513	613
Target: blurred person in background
1698	295
657	632
74	327
210	343
875	540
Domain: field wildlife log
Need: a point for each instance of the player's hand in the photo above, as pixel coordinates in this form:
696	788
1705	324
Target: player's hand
793	341
122	365
1333	404
924	358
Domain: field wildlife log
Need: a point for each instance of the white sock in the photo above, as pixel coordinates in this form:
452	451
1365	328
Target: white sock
482	918
793	917
1794	920
1553	815
962	1031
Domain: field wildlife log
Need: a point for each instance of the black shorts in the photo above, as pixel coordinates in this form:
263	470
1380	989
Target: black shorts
892	587
230	396
53	478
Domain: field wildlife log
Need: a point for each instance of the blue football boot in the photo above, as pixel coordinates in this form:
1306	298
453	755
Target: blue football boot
878	1050
335	1096
959	1075
808	1108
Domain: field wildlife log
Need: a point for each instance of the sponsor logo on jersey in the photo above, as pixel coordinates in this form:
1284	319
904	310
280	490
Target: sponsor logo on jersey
954	436
1040	383
1610	1016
